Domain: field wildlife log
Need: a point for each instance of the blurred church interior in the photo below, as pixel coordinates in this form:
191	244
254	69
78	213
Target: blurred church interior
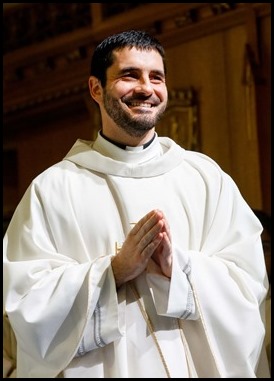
219	74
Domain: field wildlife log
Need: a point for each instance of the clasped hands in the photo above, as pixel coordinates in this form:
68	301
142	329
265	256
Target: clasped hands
149	239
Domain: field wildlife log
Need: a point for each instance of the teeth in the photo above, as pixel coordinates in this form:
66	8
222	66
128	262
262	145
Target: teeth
136	104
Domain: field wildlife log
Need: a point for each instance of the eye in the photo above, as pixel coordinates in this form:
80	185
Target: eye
157	78
130	74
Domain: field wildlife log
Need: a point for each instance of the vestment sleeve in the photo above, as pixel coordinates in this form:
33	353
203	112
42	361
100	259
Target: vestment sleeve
49	296
227	276
173	297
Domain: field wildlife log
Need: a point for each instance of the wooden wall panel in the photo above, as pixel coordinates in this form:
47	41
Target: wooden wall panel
43	144
199	63
264	110
213	65
242	119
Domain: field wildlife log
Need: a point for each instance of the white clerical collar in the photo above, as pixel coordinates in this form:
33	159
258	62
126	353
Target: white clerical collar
161	156
128	148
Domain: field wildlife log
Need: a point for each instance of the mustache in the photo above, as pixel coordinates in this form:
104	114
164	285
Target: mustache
139	98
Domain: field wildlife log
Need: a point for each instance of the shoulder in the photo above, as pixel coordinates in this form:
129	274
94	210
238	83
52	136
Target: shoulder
203	162
198	161
55	177
64	168
194	159
206	168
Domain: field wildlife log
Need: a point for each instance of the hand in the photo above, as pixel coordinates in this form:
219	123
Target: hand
140	244
163	253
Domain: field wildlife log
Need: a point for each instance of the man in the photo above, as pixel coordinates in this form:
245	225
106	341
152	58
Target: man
133	257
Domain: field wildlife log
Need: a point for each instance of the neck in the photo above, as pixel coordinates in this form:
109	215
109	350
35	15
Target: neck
126	146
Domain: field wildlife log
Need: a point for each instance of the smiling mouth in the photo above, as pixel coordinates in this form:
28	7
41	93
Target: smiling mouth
139	104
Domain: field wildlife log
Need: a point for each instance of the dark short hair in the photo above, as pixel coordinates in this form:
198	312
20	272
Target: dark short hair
102	57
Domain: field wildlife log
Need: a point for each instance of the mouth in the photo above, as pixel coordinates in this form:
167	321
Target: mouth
139	105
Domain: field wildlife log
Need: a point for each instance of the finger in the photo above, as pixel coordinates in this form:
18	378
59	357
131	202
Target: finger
167	230
166	227
153	234
147	222
150	248
166	242
142	221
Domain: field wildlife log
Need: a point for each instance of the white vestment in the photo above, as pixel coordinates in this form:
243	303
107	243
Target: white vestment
59	289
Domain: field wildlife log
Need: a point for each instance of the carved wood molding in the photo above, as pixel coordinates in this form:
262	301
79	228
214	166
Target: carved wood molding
180	120
57	65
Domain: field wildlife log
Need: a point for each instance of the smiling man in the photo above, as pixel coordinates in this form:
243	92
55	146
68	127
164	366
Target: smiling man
133	257
134	97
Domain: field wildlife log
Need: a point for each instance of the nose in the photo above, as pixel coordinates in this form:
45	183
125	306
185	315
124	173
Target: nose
144	86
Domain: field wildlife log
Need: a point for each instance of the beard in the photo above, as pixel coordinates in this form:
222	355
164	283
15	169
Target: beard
135	126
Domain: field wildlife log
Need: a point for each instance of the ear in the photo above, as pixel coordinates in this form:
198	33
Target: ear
95	89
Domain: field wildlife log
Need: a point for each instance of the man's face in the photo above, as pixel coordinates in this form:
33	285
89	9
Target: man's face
135	95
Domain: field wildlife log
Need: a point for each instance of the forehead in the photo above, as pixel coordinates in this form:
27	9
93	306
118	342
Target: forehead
136	58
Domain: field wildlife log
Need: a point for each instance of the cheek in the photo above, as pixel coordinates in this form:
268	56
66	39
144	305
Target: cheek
118	90
162	93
